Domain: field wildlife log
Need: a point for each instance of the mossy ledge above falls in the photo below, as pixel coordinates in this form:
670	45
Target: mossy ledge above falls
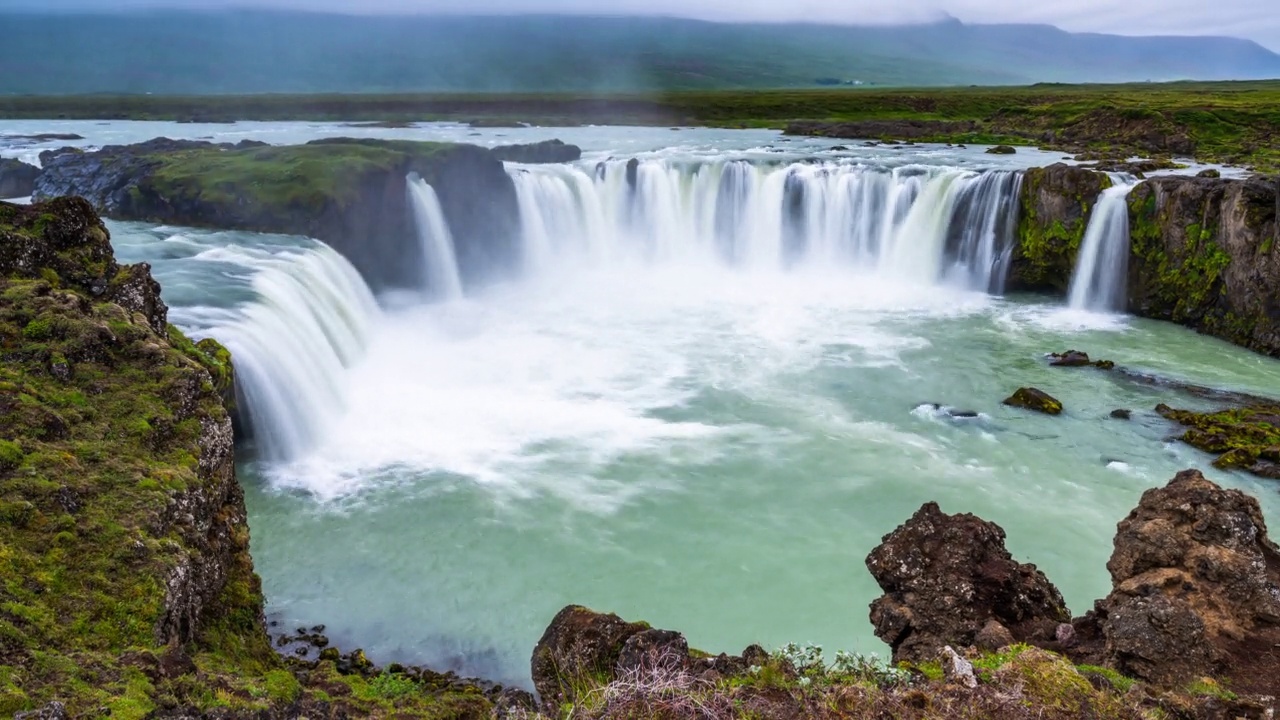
349	193
1205	252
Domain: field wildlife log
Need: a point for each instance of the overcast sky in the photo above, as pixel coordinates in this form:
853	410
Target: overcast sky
1255	19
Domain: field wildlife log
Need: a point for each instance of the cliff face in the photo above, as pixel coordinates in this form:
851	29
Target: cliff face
124	527
1056	201
349	193
1204	254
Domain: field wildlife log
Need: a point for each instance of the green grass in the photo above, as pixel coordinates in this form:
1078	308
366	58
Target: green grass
1224	121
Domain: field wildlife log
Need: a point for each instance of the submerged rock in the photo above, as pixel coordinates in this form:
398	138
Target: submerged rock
1196	589
1122	414
947	578
1034	399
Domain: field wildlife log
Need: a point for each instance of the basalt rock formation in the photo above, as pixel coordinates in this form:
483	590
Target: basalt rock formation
1196	592
1206	254
349	193
17	179
947	578
1056	202
1196	589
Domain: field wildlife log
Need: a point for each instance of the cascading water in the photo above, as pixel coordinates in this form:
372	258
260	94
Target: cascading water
915	223
440	261
309	320
1098	282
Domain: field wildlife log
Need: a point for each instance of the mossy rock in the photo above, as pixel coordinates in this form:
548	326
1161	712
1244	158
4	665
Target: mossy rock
1035	399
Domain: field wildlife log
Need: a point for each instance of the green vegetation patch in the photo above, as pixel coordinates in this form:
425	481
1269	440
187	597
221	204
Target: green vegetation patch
1247	437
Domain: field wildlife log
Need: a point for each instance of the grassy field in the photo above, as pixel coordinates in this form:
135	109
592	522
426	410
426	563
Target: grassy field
1223	121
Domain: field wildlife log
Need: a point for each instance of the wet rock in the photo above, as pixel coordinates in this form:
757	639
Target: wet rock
578	644
1034	399
957	670
1122	414
1210	173
548	151
1001	150
1196	589
946	577
1242	437
1070	358
1056	201
17	179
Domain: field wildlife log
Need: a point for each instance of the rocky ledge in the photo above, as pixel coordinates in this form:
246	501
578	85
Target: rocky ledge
1205	252
350	193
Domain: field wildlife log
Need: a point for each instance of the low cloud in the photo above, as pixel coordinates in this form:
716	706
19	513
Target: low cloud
1254	19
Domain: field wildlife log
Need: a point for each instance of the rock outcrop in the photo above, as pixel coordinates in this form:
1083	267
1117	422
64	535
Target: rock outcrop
1196	589
17	179
1206	254
349	193
1056	202
140	481
547	151
948	578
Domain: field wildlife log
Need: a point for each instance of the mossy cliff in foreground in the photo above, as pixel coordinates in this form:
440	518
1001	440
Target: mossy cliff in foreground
349	193
126	585
1205	252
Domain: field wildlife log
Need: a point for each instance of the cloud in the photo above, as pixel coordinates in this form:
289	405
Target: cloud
1254	19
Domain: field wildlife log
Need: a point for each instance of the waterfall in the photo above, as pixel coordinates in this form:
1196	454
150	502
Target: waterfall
915	223
440	262
1099	280
308	321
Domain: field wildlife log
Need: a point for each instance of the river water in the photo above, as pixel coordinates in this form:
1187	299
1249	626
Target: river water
703	429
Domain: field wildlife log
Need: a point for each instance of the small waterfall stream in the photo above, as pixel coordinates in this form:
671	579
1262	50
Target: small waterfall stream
1099	281
440	261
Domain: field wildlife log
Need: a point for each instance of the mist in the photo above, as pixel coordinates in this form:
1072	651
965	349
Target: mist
1252	19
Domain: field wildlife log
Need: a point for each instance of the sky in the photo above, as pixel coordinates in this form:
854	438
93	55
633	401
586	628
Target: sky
1254	19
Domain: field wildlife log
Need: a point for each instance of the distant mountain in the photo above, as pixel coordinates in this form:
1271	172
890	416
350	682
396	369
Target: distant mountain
188	52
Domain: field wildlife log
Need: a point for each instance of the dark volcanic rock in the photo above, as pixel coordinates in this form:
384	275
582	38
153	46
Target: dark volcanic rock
946	578
17	179
548	151
578	643
1196	589
352	197
1070	358
1001	150
1056	201
1037	400
1206	254
1122	414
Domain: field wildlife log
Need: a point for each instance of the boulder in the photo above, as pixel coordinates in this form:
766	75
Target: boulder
1034	399
1070	358
1001	150
579	645
17	179
946	578
1196	589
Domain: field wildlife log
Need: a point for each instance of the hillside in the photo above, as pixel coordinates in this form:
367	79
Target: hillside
176	52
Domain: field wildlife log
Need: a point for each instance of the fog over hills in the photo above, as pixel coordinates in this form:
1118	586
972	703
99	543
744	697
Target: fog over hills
257	51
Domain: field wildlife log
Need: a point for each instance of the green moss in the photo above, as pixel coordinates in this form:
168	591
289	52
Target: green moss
1118	681
1238	436
11	455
